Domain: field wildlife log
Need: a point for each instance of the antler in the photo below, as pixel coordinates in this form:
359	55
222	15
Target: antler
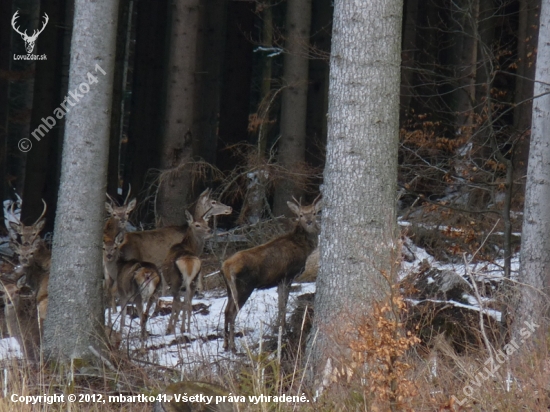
43	212
15	16
317	198
113	201
12	213
128	195
298	203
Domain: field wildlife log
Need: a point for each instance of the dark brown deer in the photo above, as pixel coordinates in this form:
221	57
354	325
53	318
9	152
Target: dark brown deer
137	282
275	263
182	267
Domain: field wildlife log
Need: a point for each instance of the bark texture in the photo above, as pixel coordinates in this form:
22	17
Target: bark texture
535	238
177	147
75	312
292	144
358	227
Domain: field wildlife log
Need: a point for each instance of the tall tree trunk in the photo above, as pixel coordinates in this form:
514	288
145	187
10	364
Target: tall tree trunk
236	78
21	90
410	23
317	97
464	18
75	311
527	51
179	133
358	234
42	160
119	87
145	123
292	143
5	58
209	85
535	237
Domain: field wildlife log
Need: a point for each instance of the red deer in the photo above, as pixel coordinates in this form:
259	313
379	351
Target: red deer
153	245
113	235
275	263
120	214
21	319
34	270
182	267
23	234
137	282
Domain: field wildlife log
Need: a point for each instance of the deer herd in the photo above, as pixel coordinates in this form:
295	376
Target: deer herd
140	266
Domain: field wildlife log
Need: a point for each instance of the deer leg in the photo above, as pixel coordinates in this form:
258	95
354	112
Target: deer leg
283	290
176	307
123	316
145	318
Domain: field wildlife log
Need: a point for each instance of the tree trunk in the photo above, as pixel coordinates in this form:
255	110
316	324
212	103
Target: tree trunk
527	52
535	237
22	88
119	87
236	78
209	76
145	123
358	229
5	58
179	133
292	143
75	312
464	18
42	160
410	25
317	97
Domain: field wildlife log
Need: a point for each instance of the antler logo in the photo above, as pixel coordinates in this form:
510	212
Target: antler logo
29	40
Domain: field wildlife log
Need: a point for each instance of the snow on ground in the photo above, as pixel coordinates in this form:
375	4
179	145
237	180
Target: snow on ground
204	343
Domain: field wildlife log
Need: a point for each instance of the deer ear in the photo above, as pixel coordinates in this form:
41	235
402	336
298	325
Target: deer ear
189	217
318	205
15	227
108	207
294	207
131	206
40	225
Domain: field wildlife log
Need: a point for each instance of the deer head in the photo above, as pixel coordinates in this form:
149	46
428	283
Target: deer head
111	246
29	40
307	215
206	204
120	214
27	234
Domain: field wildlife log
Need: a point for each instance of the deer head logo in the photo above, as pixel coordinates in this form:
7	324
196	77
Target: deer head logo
29	40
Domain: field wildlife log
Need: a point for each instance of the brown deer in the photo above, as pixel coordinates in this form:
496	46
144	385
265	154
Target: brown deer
137	282
113	234
120	214
182	267
274	263
23	234
154	245
21	319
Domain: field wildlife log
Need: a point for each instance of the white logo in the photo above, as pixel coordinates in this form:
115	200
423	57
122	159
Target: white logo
29	40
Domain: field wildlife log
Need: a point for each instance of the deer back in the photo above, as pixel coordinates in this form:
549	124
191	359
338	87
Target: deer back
266	265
